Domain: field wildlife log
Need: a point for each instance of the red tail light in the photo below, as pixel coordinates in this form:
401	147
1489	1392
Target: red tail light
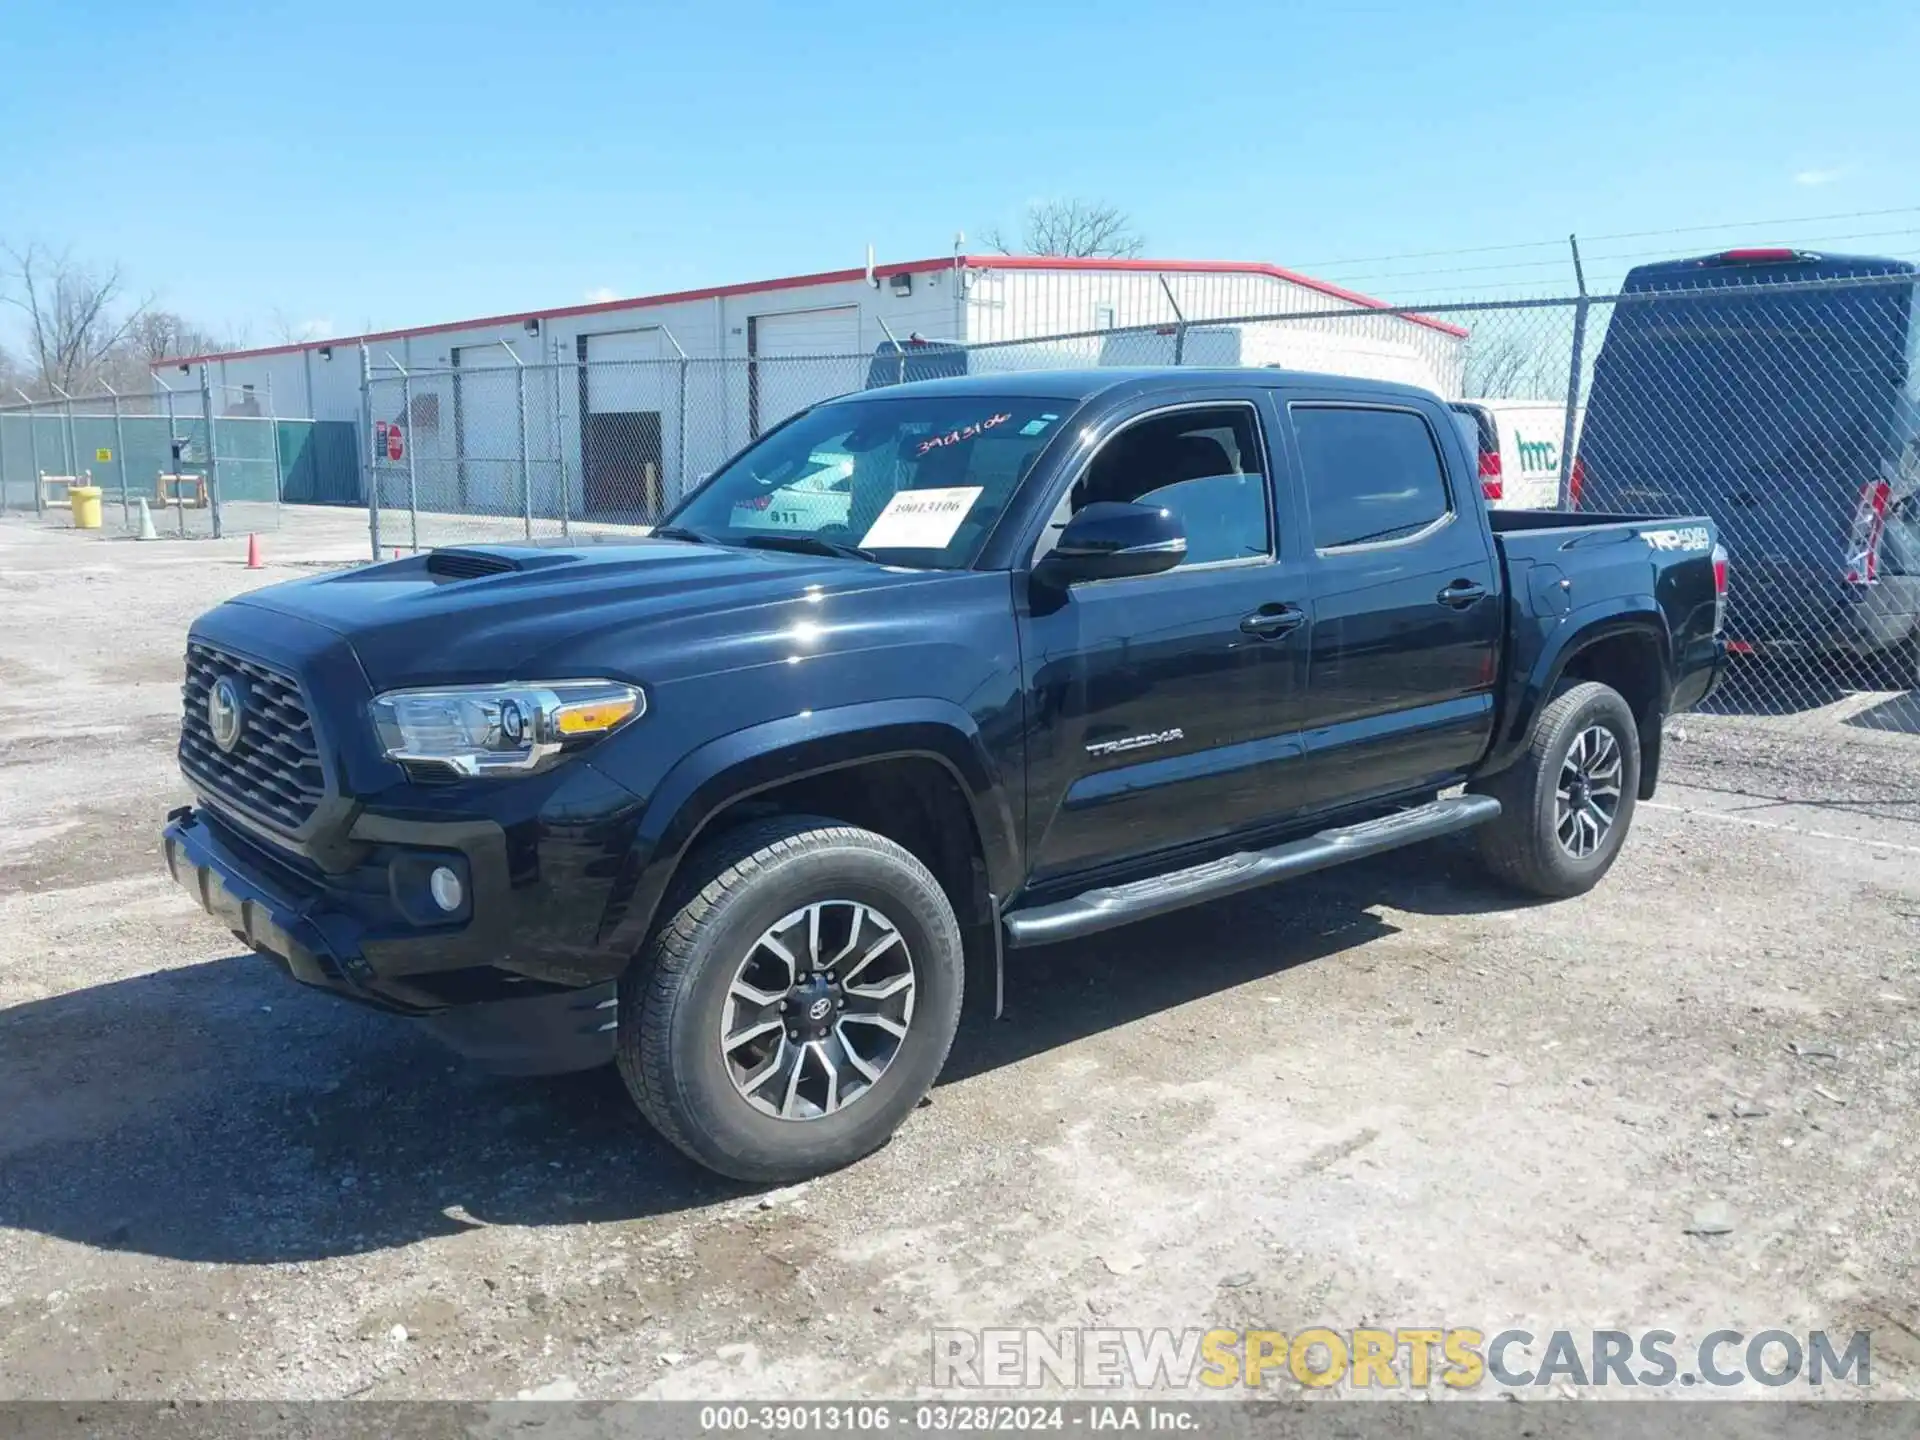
1720	589
1869	524
1492	484
1576	482
754	502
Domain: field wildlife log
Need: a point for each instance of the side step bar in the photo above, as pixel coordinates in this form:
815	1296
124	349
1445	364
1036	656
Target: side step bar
1104	909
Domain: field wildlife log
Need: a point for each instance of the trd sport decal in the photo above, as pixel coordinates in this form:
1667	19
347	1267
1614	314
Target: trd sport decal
1687	537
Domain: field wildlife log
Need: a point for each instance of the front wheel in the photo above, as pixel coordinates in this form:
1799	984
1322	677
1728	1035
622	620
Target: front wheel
1567	802
795	1002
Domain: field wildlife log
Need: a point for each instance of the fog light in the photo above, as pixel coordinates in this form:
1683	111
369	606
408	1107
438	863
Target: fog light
445	887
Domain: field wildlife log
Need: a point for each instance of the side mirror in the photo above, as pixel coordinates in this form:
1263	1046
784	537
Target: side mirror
1108	540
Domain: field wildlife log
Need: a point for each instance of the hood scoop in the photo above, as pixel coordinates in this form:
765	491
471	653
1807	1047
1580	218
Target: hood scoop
460	563
468	564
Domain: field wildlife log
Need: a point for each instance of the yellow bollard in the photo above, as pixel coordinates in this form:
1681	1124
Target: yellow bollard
86	506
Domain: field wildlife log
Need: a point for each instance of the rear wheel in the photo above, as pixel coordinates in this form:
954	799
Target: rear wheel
1566	804
795	1003
1898	666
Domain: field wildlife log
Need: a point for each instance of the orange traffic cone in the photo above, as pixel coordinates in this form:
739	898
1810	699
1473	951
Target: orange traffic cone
253	553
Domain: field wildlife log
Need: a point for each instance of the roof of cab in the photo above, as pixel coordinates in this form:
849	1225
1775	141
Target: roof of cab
1082	385
1775	266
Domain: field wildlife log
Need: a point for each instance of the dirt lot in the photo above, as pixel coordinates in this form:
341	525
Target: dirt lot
1388	1095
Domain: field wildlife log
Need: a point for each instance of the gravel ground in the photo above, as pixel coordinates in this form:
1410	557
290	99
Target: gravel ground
1385	1095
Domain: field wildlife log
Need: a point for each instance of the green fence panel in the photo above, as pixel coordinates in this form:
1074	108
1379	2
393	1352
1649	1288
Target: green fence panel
317	461
320	460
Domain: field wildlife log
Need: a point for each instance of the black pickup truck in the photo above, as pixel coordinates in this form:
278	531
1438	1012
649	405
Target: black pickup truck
921	677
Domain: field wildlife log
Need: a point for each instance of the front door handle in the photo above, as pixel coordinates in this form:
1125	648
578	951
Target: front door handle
1460	594
1270	622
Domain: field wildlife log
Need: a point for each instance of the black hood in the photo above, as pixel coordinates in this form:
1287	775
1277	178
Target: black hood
496	612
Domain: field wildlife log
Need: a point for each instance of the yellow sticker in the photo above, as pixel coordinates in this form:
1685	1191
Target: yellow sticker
103	456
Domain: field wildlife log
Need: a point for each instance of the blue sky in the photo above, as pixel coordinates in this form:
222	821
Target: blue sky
341	164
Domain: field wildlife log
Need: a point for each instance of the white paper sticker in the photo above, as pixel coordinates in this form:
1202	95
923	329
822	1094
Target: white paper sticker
921	519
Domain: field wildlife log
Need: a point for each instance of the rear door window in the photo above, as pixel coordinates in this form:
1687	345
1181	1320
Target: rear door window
1372	476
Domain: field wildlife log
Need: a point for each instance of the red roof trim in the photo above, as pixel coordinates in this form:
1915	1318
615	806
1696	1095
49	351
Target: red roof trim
1208	267
561	312
831	277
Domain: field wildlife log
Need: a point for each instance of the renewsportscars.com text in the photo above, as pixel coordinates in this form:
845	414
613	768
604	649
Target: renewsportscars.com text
1403	1358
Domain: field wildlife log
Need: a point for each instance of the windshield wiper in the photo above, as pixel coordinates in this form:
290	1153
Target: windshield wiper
681	532
808	545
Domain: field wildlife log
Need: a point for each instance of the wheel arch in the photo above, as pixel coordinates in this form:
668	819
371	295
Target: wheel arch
1624	645
929	784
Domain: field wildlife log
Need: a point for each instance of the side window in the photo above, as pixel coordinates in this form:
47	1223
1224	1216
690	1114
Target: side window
1371	475
1205	466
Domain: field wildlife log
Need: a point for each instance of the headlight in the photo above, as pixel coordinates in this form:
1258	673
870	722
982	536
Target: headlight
511	729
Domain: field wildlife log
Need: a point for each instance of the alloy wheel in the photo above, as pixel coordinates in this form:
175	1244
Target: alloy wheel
1587	799
817	1010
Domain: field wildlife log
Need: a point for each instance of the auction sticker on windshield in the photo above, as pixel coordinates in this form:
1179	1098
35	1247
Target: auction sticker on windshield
921	519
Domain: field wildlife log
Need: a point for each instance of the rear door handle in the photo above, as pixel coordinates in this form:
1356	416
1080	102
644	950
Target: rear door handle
1460	594
1272	621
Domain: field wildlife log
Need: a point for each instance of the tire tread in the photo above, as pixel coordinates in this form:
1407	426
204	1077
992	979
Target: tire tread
1511	847
654	985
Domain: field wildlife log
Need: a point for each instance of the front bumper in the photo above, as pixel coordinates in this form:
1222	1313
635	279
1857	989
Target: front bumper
343	935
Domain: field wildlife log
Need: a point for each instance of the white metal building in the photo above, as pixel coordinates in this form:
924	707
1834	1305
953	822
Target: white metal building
746	350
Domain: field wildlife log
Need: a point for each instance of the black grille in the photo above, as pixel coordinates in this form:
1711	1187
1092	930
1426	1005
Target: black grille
274	771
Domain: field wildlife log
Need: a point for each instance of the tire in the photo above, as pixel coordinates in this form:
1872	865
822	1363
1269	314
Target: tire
1897	667
1524	847
678	1005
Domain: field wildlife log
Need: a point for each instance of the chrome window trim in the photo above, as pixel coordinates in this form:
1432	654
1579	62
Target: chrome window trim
1361	547
1268	557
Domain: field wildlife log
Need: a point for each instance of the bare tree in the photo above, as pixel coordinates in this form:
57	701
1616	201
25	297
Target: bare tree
1514	367
1074	228
283	329
158	335
75	320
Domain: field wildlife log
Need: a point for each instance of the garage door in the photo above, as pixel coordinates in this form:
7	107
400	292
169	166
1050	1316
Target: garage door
486	402
629	395
800	357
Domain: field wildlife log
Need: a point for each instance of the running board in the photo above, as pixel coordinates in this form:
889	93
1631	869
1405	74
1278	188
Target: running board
1098	910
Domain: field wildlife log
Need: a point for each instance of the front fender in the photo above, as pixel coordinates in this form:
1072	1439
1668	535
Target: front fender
1534	683
745	762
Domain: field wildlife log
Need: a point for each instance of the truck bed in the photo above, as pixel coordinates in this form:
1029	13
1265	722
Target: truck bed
1509	521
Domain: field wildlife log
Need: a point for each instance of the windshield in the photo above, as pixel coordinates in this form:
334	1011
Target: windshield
913	481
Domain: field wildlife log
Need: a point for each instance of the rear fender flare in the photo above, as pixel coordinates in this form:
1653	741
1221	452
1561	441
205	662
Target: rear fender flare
737	766
1620	615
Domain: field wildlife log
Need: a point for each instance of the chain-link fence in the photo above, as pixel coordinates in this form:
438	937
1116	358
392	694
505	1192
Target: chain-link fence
507	449
1787	412
208	460
1784	411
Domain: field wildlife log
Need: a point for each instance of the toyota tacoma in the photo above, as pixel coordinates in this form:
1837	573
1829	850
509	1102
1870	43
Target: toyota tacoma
748	805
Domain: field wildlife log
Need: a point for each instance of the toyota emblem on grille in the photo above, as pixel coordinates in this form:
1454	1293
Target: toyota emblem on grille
226	712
